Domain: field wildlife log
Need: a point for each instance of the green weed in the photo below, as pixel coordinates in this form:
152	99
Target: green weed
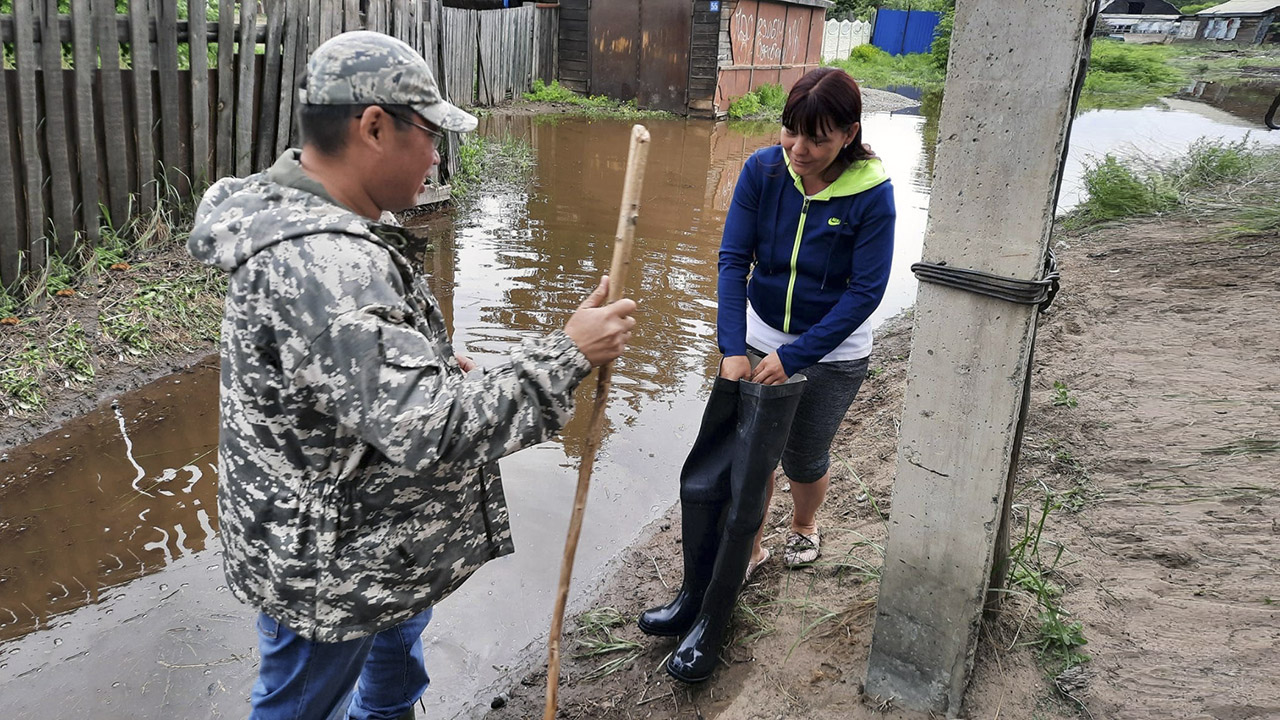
1062	396
1123	75
763	103
1115	189
1031	572
20	381
482	159
71	353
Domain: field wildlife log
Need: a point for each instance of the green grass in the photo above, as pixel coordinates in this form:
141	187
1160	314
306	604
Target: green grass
873	67
1126	76
763	103
1212	176
1033	564
484	160
590	105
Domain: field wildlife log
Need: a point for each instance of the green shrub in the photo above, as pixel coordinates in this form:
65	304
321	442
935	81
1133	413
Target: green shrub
1115	190
745	106
869	54
771	96
873	67
1211	162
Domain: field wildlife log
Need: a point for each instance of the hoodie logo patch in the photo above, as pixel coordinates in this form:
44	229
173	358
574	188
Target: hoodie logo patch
833	221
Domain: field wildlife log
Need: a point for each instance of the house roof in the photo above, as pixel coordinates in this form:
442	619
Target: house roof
1242	7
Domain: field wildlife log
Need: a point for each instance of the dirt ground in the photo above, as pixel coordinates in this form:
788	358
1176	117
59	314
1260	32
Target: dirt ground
1160	445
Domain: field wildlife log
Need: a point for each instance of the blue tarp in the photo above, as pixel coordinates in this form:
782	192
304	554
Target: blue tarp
900	32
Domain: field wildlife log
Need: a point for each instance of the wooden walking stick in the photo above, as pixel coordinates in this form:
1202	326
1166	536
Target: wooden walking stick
636	158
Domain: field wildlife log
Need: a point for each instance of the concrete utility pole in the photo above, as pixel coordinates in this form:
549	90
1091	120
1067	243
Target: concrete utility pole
1011	83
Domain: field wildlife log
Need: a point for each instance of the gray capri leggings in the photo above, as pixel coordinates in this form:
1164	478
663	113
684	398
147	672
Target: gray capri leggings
828	393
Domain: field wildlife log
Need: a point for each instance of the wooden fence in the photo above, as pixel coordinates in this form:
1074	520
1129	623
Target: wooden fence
92	132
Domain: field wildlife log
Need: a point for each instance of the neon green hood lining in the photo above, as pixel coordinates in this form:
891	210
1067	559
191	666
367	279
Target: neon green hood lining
860	176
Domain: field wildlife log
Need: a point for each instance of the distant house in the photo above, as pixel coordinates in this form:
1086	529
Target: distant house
1244	22
1139	21
692	57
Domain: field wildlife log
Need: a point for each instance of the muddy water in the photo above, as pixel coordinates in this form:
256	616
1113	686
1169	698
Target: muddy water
109	497
117	522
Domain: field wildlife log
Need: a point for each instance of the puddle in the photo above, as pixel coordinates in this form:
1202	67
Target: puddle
84	511
109	497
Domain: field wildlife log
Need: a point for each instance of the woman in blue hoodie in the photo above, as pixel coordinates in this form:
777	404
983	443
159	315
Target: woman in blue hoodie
803	263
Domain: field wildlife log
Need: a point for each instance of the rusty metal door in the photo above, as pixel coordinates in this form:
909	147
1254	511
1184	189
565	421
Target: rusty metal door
615	48
666	28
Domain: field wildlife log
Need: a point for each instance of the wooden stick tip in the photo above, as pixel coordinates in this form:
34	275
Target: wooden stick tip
640	133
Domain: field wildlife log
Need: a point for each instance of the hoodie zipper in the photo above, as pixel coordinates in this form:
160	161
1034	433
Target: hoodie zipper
795	255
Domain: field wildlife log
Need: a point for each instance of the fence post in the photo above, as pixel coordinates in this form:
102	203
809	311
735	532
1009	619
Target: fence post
140	56
86	130
198	44
116	157
25	59
10	236
63	227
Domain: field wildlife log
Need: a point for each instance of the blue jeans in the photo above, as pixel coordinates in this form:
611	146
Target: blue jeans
378	677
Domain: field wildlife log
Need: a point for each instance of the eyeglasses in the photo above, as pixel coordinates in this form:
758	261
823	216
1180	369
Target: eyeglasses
436	135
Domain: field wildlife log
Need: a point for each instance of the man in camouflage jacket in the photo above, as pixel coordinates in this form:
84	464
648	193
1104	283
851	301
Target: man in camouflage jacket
358	459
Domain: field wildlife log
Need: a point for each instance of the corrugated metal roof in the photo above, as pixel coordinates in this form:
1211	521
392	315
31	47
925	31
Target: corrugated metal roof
1241	7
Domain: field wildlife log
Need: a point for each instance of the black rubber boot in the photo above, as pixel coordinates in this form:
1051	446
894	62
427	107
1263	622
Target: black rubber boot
764	420
704	494
700	530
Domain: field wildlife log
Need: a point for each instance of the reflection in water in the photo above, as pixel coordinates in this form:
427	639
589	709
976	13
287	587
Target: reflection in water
1247	100
111	496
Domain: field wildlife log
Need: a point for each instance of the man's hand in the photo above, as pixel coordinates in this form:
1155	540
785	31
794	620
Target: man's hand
464	362
769	371
601	333
735	367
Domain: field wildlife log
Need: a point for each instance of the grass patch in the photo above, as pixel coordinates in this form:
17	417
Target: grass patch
873	67
136	294
1213	175
1128	76
1033	563
483	160
595	637
763	103
590	105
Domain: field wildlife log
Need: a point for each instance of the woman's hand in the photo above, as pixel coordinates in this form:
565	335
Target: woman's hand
735	367
769	371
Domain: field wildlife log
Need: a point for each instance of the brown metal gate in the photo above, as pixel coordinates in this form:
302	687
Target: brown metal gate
640	50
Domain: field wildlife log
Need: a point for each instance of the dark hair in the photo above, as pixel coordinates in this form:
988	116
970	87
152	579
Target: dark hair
823	101
324	127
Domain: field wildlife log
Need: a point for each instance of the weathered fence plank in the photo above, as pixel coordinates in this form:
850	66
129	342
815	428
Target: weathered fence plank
144	119
116	171
62	215
245	88
273	90
173	137
25	59
199	47
293	24
226	88
86	62
351	15
10	236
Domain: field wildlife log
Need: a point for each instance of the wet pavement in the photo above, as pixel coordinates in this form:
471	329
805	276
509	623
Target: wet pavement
112	603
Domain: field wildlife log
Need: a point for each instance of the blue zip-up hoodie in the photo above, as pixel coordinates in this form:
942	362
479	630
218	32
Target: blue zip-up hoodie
818	265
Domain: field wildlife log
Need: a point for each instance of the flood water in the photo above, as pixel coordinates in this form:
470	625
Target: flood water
111	593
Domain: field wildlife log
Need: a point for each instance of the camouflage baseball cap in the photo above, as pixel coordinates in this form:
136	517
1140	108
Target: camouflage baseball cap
369	68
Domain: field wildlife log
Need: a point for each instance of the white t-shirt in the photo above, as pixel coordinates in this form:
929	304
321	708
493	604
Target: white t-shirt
763	336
